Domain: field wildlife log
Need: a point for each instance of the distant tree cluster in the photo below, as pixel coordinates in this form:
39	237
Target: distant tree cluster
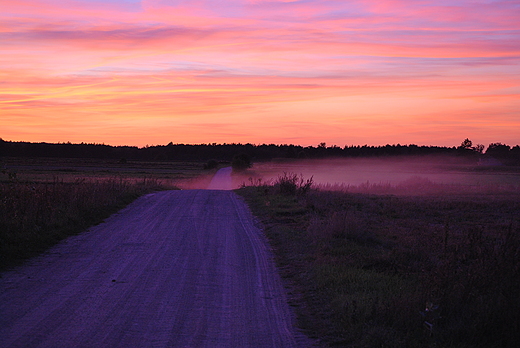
241	162
226	152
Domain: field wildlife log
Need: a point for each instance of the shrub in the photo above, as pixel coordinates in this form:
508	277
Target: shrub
241	162
291	184
211	164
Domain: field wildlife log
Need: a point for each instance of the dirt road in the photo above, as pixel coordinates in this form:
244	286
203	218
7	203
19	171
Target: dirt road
222	180
173	269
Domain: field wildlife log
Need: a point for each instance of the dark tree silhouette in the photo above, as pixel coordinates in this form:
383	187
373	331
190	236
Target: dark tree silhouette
241	162
466	144
498	150
226	152
479	148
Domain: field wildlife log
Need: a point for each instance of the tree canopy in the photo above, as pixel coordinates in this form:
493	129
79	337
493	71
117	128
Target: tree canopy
226	152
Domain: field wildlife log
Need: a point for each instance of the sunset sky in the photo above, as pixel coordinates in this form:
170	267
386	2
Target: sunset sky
131	72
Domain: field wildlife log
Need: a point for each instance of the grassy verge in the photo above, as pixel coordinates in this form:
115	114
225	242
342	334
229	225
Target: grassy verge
36	215
397	271
44	200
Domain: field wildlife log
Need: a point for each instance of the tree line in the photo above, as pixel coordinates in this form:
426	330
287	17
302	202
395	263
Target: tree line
264	152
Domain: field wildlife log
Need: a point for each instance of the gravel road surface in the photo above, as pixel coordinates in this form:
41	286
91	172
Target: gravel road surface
222	180
173	269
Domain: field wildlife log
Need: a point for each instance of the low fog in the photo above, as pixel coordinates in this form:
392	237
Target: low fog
386	172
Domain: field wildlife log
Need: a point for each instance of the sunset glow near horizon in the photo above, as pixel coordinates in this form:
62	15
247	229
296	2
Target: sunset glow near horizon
131	72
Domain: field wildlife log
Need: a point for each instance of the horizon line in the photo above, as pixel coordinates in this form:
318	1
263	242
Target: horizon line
243	144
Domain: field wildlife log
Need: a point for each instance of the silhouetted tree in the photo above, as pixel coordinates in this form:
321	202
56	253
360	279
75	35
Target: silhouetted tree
211	164
241	162
223	152
479	148
466	144
498	150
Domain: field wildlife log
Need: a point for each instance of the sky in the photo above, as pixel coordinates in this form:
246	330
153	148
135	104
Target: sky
150	72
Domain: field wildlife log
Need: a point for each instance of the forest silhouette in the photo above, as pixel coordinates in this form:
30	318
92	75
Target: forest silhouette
505	154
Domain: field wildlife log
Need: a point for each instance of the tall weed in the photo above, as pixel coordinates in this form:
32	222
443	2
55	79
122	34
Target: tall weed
293	184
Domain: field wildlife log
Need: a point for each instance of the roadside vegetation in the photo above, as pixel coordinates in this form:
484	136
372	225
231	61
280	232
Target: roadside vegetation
36	215
438	268
45	201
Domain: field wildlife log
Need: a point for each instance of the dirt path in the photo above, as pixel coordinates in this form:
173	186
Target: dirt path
222	180
173	269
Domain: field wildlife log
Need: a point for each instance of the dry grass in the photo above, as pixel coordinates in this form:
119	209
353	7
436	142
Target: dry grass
35	215
381	270
43	200
421	186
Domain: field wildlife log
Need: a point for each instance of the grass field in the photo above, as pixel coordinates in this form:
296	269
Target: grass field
388	270
69	170
411	263
43	201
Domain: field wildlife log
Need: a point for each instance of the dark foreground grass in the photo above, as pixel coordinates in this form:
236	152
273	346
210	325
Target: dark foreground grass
36	215
397	271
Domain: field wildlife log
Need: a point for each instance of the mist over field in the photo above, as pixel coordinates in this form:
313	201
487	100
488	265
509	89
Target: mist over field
388	172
